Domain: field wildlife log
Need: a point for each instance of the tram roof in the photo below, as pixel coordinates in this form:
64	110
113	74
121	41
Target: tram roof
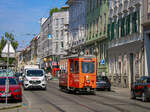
81	56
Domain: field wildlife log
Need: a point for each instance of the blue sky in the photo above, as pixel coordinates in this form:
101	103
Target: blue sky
22	16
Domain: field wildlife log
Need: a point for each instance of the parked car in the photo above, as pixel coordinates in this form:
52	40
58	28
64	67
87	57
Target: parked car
141	88
15	91
102	82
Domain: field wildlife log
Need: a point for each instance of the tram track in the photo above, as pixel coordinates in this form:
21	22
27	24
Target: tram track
47	101
134	104
121	102
96	101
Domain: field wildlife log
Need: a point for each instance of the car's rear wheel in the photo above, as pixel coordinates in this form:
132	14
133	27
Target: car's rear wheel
144	98
109	89
133	95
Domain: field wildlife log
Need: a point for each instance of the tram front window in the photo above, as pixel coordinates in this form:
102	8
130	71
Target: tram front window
87	67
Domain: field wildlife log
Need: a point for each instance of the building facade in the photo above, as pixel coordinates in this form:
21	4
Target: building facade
96	33
146	33
59	37
126	46
76	24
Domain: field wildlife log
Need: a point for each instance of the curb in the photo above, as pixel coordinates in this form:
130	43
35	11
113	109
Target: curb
11	107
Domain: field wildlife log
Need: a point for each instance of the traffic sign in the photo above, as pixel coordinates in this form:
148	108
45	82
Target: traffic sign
102	62
8	48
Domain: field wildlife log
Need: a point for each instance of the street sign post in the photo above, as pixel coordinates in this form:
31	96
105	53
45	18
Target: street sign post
8	51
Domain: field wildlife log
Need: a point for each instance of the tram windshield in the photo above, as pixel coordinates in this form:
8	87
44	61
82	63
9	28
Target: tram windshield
87	67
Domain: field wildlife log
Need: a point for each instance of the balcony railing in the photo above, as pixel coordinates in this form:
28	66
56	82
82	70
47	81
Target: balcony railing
124	40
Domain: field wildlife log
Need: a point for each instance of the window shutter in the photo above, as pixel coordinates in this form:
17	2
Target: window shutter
128	25
133	23
135	20
112	31
118	25
108	32
138	20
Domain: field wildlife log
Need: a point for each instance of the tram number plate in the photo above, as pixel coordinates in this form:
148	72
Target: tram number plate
88	89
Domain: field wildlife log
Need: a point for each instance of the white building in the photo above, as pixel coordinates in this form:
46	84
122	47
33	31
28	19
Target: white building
52	42
125	52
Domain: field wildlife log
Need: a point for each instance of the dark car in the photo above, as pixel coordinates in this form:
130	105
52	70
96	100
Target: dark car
141	88
15	91
102	82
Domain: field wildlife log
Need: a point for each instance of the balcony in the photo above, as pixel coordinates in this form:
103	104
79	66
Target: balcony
125	40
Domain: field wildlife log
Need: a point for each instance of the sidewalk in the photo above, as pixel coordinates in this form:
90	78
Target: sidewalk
4	106
122	91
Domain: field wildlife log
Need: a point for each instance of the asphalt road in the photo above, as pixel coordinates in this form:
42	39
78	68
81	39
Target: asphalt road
54	100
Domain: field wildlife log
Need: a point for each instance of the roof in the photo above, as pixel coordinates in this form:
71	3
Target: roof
82	56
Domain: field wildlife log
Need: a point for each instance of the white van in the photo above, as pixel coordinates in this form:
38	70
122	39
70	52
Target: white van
34	78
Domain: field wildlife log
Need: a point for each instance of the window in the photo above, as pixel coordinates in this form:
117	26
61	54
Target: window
122	27
62	21
97	3
57	34
101	22
62	45
12	81
134	22
76	67
128	25
62	33
56	22
112	31
108	32
71	66
56	47
87	67
35	73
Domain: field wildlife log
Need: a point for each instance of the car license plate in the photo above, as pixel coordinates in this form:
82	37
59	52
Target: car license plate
4	95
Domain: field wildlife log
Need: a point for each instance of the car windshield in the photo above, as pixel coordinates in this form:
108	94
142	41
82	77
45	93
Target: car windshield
87	67
12	81
101	78
3	73
35	73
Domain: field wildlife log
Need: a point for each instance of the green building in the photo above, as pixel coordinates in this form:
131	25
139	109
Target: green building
96	32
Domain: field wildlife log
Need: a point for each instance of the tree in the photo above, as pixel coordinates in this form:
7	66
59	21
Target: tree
53	10
10	37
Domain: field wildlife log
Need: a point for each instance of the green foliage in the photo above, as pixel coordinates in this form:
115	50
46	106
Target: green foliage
53	10
3	40
57	10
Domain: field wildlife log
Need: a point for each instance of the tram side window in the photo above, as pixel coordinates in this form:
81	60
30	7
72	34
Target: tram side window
76	67
71	66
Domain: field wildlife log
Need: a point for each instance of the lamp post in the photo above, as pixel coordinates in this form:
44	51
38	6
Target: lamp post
96	53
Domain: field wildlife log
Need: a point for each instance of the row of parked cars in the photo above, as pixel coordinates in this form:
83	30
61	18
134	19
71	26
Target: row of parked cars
28	79
15	91
140	88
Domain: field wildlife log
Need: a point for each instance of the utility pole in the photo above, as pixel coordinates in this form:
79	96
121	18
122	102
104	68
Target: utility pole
7	81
